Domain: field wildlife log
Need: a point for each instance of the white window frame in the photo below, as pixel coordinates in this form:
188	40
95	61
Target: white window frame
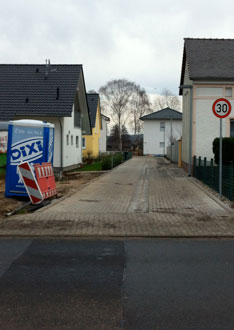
227	90
161	144
77	141
83	143
162	126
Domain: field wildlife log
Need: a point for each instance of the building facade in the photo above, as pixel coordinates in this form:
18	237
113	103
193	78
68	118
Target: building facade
90	143
161	128
206	76
103	134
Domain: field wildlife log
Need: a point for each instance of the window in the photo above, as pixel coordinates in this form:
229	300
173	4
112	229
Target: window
162	126
228	91
77	141
67	140
161	144
72	140
232	128
83	143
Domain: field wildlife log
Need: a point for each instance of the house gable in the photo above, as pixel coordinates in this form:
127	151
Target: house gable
83	105
93	103
92	142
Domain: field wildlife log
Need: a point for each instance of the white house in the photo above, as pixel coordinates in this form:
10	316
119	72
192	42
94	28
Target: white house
52	93
103	133
207	74
161	128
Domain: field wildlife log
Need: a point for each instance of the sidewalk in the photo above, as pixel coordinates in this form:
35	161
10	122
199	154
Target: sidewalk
145	196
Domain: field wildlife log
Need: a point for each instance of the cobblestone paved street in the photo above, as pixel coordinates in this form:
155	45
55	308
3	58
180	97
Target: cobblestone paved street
145	196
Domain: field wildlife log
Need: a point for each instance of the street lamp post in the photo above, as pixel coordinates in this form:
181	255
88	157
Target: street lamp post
190	125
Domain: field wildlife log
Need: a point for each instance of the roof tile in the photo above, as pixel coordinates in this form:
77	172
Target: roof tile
19	82
166	113
210	59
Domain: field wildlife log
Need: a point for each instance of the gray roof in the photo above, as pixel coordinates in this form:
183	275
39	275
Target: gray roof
166	113
208	59
105	117
24	90
93	105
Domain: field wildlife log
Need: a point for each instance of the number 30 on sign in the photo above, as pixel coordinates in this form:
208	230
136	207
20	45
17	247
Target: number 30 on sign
222	108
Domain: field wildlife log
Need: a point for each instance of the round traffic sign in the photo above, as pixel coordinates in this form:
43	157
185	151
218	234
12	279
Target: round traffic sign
221	108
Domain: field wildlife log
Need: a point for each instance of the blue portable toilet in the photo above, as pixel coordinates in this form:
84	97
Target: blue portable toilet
31	141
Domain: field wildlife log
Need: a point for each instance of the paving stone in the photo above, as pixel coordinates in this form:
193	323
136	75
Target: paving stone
145	196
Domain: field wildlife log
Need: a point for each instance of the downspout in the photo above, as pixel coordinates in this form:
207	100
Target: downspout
191	133
61	144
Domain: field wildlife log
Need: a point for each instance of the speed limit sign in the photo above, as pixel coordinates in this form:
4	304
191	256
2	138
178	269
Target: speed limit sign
221	108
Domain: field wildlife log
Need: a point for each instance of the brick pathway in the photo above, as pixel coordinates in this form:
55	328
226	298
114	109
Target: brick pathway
143	197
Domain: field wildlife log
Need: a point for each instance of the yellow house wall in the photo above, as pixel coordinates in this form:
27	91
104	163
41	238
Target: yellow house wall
92	141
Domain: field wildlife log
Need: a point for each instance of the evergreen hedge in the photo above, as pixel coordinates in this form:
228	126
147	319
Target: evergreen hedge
228	150
107	161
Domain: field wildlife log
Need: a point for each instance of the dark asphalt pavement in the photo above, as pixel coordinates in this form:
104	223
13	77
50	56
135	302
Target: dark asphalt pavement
116	284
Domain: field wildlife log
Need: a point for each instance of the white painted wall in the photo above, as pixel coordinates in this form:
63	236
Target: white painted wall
205	124
72	155
153	136
103	135
207	127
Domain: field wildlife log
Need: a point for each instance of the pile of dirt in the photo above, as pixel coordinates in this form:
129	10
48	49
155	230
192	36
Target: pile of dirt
74	181
70	183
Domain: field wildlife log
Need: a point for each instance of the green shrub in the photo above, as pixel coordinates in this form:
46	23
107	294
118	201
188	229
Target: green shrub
106	163
3	159
228	150
118	159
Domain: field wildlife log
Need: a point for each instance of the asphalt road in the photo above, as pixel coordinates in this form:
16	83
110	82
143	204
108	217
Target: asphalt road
123	284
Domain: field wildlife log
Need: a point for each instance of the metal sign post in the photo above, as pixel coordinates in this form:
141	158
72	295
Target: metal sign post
221	109
220	158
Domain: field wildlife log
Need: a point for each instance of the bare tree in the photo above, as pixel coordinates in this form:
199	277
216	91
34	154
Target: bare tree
114	137
173	134
167	100
115	97
139	106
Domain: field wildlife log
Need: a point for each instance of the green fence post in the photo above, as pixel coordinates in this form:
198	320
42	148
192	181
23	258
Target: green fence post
194	166
199	168
205	171
230	181
212	173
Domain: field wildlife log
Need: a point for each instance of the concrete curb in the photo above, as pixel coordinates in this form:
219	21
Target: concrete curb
117	236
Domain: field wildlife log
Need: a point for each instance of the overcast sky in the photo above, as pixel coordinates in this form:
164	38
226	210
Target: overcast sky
140	40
